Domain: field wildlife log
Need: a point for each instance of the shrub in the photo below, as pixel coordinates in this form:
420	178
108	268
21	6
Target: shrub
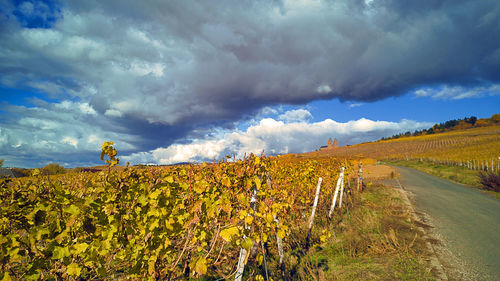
53	169
20	172
490	180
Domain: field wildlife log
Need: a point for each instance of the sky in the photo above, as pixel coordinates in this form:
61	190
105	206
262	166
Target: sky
191	81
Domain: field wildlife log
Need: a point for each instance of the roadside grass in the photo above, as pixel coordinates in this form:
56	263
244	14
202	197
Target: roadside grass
453	173
374	240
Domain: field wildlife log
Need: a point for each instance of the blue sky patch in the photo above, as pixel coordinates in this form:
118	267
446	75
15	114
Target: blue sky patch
37	14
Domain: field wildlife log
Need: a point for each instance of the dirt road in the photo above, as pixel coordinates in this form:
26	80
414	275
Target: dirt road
465	219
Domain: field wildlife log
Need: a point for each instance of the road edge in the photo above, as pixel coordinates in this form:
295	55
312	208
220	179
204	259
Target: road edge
433	259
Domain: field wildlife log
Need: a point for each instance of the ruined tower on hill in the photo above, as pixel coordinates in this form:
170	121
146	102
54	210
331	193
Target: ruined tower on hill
331	144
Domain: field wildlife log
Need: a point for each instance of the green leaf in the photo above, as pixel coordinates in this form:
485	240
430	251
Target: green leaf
40	232
34	276
247	244
72	209
228	233
73	269
60	252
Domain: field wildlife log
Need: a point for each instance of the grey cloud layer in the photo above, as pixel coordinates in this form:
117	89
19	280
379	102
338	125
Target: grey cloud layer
182	62
156	72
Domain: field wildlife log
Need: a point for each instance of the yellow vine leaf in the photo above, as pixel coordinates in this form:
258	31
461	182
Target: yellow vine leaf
247	244
151	264
228	233
80	248
259	259
257	181
226	181
72	209
201	266
249	220
169	179
269	218
6	277
257	160
73	269
60	252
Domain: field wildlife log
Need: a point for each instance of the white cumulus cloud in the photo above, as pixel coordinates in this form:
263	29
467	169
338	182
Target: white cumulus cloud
275	137
297	115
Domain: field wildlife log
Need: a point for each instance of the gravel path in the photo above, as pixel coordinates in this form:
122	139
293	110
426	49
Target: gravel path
465	220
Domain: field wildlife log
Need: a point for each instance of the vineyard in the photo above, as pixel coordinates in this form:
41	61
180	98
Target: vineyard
216	221
474	149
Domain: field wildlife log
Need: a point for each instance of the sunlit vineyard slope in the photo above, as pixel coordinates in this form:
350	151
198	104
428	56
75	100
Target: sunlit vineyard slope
475	148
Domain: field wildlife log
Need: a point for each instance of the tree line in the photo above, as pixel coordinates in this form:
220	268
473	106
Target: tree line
455	124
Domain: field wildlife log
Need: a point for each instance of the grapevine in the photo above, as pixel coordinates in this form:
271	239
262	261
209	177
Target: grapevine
157	222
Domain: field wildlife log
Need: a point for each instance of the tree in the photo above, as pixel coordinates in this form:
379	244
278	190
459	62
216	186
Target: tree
471	120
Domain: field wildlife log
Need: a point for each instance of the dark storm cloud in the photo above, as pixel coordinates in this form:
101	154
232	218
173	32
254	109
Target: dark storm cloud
208	61
158	71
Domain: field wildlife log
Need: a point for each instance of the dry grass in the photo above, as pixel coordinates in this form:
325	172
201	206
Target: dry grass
373	172
374	241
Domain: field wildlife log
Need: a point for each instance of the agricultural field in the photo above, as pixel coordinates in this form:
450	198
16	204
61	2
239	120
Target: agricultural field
474	149
157	222
205	222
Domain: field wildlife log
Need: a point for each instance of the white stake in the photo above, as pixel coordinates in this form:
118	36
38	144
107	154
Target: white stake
311	219
360	176
241	264
316	198
281	253
341	189
242	260
279	240
339	182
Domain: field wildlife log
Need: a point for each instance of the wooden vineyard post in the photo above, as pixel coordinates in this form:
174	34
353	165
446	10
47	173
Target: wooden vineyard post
279	240
339	182
242	260
350	191
360	176
341	190
311	219
281	253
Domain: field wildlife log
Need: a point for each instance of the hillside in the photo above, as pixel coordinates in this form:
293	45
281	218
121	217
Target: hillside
452	125
475	148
